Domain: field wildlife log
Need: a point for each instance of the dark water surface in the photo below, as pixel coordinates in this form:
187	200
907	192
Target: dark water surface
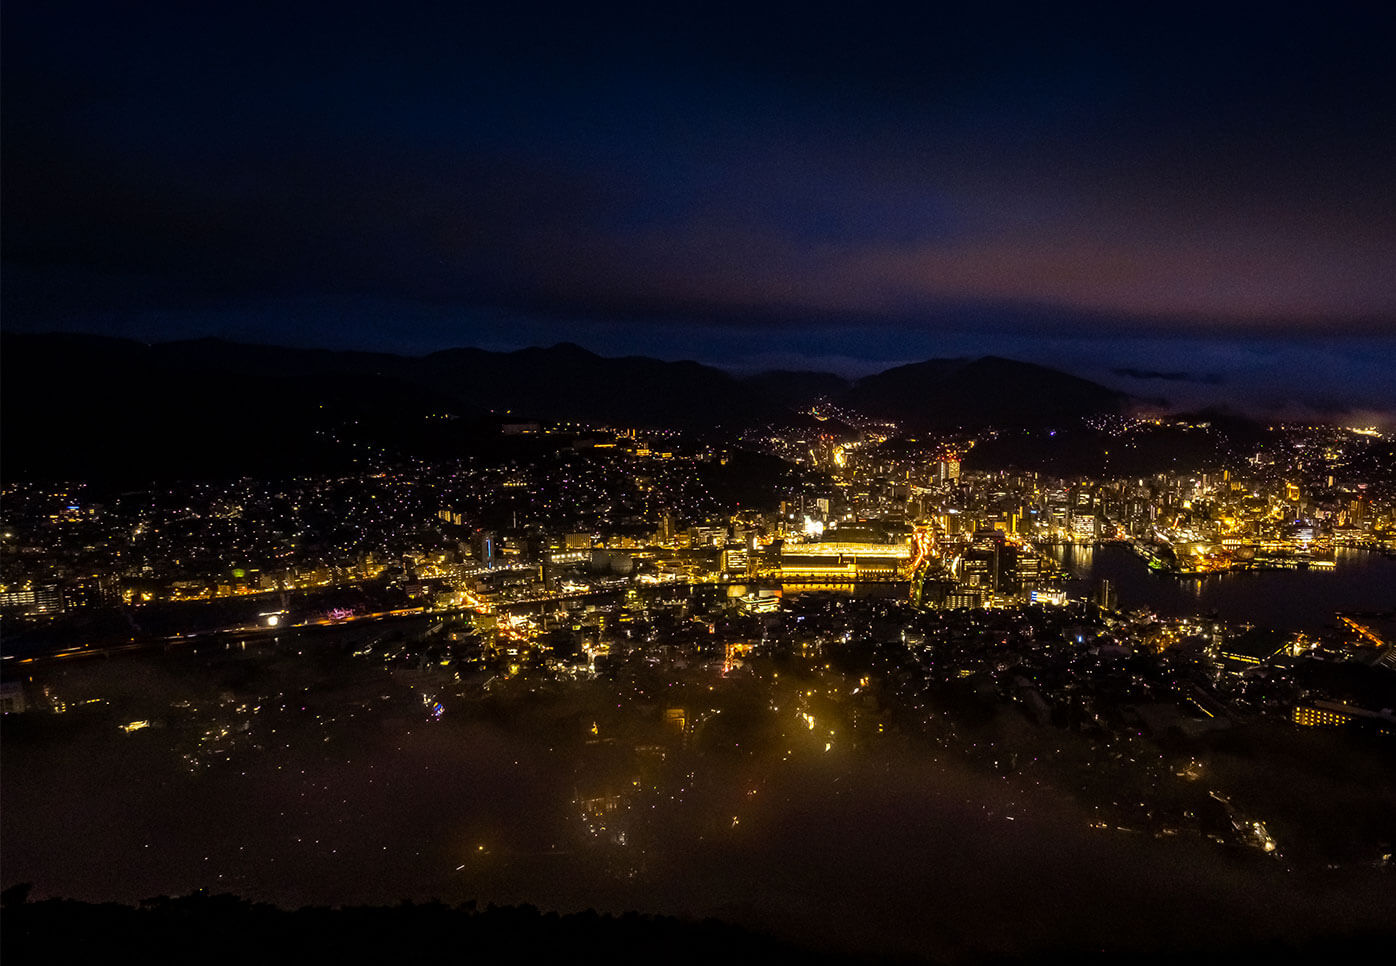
1284	599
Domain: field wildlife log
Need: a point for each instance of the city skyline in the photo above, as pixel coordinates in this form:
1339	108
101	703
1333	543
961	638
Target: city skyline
656	482
644	671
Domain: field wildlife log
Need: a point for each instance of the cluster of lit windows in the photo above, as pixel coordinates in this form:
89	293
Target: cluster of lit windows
1310	716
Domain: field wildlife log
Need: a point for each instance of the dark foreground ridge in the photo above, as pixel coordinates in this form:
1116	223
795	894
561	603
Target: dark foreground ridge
204	928
226	928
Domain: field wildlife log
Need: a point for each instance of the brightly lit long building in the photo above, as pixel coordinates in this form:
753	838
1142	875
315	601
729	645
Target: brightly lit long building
848	561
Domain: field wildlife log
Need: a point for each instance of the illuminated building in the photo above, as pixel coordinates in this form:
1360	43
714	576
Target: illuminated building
849	561
760	603
483	546
1336	714
983	563
1322	713
707	536
676	719
568	557
16	599
979	567
964	597
1028	570
40	599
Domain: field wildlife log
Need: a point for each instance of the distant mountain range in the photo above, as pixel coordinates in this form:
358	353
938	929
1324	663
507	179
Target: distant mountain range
75	402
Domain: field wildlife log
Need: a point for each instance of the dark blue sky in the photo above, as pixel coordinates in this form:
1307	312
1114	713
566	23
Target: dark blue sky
1198	195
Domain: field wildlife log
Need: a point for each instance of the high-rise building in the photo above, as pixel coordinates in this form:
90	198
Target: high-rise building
483	545
982	562
1027	570
1106	596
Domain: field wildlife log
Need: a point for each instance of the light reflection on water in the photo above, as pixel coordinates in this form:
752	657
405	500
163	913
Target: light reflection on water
1363	580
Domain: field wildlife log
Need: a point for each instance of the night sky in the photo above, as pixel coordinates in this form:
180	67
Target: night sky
1181	202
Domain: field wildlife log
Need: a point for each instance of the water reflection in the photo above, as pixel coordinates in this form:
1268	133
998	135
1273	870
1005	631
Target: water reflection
1285	599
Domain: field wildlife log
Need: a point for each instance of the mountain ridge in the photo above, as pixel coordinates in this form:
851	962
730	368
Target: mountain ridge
120	400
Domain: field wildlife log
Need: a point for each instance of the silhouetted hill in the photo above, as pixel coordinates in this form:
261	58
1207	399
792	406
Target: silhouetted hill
944	393
92	407
797	389
77	406
83	407
1080	450
568	382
